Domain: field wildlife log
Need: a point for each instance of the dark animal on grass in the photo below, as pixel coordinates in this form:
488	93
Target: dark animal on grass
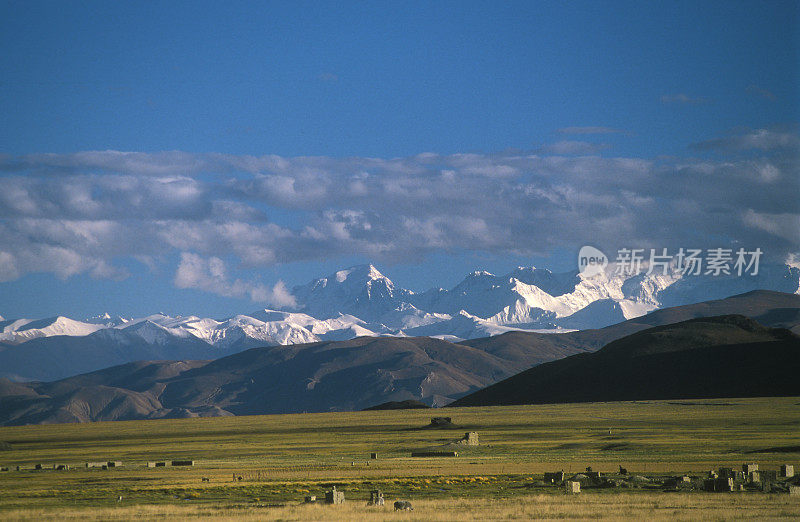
623	471
403	505
204	479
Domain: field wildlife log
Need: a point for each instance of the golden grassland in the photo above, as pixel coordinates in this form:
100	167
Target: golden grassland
283	458
653	506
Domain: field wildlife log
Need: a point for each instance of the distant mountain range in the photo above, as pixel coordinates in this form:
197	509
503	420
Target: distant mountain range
711	357
360	301
366	371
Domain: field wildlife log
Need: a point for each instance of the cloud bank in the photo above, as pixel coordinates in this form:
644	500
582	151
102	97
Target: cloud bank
79	213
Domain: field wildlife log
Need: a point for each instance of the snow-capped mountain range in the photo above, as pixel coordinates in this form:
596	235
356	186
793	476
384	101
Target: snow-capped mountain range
361	301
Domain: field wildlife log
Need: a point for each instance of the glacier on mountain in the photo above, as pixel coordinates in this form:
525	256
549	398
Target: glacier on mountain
361	301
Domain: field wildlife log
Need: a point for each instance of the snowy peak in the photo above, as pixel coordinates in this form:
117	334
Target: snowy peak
554	284
461	325
346	282
479	279
360	301
154	333
269	316
106	320
360	273
359	290
23	330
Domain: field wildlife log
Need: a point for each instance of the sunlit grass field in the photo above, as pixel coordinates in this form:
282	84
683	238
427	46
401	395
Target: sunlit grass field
283	458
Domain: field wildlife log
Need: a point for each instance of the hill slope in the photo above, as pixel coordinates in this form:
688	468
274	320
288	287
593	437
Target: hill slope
724	356
326	376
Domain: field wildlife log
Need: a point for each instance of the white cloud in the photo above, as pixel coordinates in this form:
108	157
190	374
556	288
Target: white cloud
570	147
278	296
783	225
86	212
8	267
755	139
210	275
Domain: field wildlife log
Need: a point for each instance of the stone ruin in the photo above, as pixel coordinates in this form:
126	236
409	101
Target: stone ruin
749	478
104	465
557	476
718	484
735	474
334	497
376	498
724	480
769	475
470	439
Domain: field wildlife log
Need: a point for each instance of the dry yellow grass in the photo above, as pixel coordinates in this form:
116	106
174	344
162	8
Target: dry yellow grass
282	458
643	506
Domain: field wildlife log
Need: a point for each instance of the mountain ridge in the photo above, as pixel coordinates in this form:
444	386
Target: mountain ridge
345	374
361	301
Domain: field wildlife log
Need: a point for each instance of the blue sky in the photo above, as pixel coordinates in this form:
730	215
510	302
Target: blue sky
299	131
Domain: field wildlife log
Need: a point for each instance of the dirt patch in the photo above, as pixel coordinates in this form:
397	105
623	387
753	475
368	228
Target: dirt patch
570	445
778	449
616	446
703	403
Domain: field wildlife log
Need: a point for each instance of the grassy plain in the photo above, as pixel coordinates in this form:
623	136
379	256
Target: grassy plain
283	458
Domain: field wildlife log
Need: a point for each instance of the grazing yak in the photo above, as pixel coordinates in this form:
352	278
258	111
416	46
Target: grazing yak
403	505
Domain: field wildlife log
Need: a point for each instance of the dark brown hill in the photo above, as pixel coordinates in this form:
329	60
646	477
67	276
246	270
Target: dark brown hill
725	356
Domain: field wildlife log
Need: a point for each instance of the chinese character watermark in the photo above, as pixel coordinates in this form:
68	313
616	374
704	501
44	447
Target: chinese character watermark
686	261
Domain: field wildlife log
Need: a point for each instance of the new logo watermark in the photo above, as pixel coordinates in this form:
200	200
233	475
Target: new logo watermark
591	261
686	261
